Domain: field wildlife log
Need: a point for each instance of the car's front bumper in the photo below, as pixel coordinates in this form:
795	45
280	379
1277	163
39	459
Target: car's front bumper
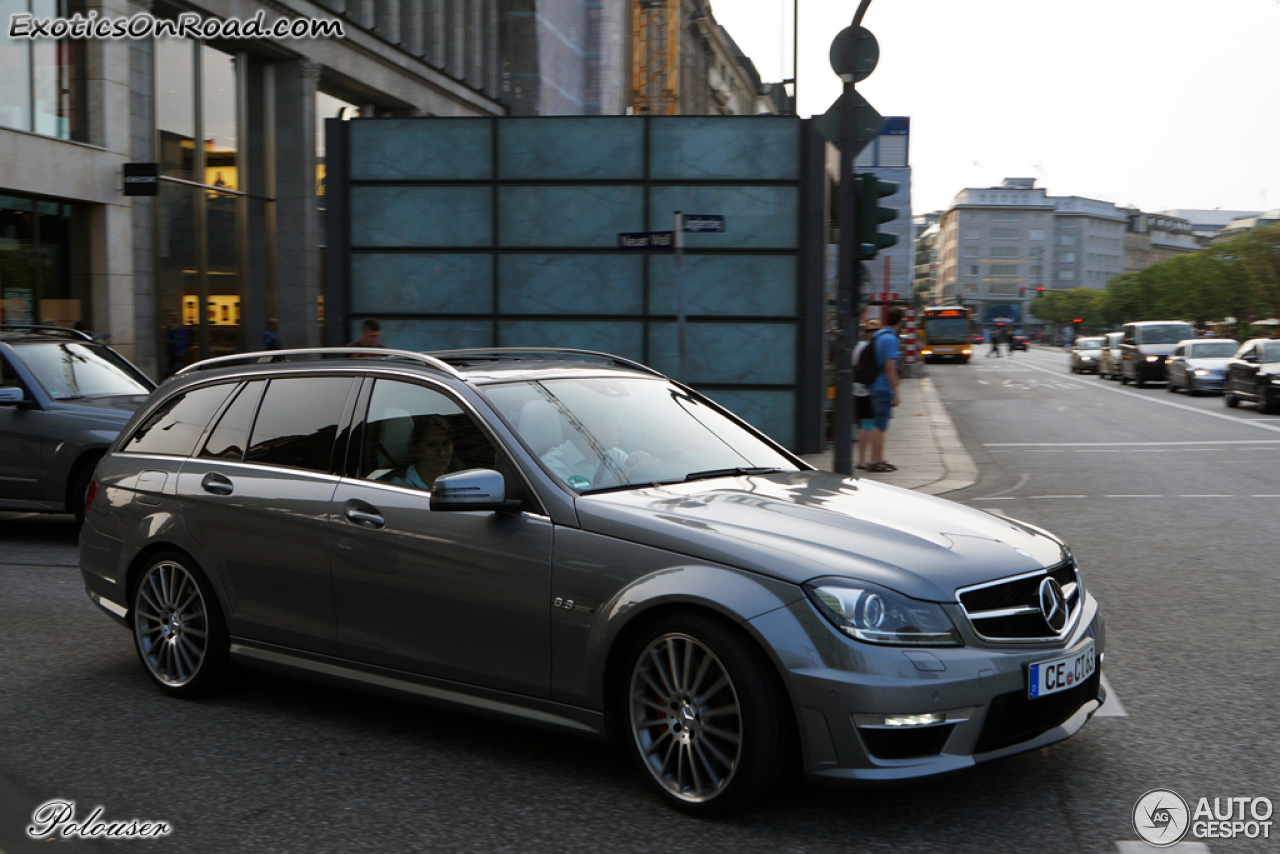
840	686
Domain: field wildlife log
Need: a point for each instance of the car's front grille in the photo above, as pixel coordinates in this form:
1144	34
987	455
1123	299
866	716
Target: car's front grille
906	743
1014	718
1009	610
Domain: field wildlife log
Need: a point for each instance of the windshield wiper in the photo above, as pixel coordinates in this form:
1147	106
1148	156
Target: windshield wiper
740	470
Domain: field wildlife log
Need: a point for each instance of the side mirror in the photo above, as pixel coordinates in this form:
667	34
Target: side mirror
473	489
11	394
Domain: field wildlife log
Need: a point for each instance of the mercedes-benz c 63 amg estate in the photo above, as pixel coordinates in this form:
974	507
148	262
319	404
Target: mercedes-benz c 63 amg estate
574	540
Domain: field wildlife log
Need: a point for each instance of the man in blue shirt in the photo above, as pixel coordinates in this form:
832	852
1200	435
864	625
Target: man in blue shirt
884	389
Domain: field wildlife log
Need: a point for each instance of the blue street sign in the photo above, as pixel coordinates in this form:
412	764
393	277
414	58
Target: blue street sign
703	222
646	240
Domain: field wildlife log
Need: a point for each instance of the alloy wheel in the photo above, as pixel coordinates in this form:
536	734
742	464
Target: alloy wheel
686	718
171	624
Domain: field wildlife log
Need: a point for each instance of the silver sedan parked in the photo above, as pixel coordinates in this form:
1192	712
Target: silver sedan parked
573	540
1200	365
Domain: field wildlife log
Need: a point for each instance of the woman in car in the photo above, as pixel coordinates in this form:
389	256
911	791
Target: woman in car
431	445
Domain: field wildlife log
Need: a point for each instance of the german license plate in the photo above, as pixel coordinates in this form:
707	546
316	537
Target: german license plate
1062	674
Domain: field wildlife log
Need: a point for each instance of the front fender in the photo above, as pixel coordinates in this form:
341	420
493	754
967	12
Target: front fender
600	587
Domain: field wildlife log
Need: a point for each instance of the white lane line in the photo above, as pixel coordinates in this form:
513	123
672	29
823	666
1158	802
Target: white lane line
1112	708
1133	496
1130	444
1264	496
1022	481
1233	419
1206	496
1057	496
1009	498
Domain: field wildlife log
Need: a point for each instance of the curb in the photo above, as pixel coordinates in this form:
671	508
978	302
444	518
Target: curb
961	471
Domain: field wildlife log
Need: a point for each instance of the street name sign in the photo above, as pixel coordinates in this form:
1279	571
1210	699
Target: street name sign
646	240
699	223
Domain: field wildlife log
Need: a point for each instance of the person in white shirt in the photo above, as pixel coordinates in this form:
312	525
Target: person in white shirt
594	459
432	448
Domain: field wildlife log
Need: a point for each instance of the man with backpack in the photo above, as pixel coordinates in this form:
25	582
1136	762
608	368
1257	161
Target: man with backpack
877	369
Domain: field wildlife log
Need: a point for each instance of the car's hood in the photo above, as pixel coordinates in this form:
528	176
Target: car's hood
798	526
1214	364
115	406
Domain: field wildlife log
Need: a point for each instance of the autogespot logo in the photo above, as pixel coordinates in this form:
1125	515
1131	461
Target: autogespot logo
1161	817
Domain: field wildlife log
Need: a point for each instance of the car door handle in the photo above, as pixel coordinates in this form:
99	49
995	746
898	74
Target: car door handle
364	515
216	484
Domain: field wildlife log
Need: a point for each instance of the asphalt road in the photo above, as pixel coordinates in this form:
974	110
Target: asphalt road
1188	584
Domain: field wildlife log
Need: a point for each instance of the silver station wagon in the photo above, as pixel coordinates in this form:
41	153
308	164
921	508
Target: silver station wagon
573	540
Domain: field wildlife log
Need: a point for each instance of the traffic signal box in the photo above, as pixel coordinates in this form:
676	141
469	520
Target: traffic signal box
871	214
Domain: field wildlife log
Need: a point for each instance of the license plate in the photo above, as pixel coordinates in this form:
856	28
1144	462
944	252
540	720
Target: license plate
1062	674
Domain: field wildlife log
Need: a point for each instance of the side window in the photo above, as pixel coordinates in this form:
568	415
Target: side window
1180	350
231	436
298	422
1130	333
175	426
8	376
414	434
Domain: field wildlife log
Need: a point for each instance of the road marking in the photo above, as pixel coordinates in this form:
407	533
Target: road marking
1135	847
1206	496
1264	496
1233	419
983	382
1057	496
1133	496
1112	708
1128	444
1022	481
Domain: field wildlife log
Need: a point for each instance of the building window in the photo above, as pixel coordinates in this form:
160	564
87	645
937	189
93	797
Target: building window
1008	215
1036	271
971	252
1004	234
971	234
1067	257
1004	252
1067	240
42	80
1036	234
971	269
44	276
1004	269
1066	274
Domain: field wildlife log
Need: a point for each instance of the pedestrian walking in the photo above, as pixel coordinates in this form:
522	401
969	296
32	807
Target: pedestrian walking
994	337
884	389
370	336
271	336
864	414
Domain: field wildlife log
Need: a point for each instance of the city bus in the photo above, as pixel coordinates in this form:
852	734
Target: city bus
946	332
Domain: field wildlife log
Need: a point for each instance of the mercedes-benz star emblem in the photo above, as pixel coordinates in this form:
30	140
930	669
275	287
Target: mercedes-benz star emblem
1053	604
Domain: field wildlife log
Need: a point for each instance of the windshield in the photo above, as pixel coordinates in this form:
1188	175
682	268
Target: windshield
1212	350
608	433
942	328
78	369
1089	343
1167	333
1270	351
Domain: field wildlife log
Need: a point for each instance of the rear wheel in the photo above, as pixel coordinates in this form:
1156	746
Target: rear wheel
78	492
705	721
1173	388
1230	400
178	628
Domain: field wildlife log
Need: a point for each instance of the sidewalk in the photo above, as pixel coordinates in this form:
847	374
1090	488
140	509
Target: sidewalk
922	442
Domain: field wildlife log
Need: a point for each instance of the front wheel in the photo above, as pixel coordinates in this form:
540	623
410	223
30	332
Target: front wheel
1230	400
706	723
1267	404
178	628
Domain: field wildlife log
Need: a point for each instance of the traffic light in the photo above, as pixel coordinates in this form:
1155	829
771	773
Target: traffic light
870	190
1039	290
1077	320
1022	292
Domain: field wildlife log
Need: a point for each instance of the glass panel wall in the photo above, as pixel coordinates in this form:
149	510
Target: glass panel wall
175	106
42	80
42	251
220	131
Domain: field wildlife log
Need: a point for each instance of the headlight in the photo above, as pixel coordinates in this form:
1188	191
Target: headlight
1086	358
1201	372
926	352
1276	378
878	615
1153	358
965	352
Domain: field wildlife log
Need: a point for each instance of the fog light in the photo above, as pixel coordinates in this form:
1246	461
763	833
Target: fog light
927	719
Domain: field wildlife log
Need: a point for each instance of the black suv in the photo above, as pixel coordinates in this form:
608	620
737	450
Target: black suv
1145	349
63	399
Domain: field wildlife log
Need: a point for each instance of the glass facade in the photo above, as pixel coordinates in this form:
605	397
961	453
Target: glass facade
504	232
212	213
42	80
43	257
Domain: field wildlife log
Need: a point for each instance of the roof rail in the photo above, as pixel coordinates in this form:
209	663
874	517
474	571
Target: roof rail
52	331
547	354
308	354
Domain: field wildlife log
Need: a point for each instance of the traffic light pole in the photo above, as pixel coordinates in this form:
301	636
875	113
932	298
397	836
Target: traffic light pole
849	287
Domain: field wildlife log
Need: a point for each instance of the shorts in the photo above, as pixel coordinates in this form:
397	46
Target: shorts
882	401
864	412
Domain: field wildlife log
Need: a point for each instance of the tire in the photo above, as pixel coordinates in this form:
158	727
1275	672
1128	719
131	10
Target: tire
1230	400
178	628
1124	380
1192	391
695	766
1173	389
1267	404
1138	381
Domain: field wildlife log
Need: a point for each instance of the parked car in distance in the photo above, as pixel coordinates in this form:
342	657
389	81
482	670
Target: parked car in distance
1146	345
1254	374
1109	359
1200	365
1086	354
63	399
712	600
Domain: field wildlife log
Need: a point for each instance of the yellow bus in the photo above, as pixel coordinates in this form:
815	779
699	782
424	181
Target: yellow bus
946	332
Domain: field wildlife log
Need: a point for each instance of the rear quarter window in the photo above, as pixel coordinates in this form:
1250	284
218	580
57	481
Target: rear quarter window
175	425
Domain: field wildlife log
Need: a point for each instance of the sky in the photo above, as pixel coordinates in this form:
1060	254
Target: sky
1158	104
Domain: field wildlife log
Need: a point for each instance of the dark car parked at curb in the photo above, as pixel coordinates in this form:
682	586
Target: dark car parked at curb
63	399
1145	347
725	610
1254	374
1200	365
1086	354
